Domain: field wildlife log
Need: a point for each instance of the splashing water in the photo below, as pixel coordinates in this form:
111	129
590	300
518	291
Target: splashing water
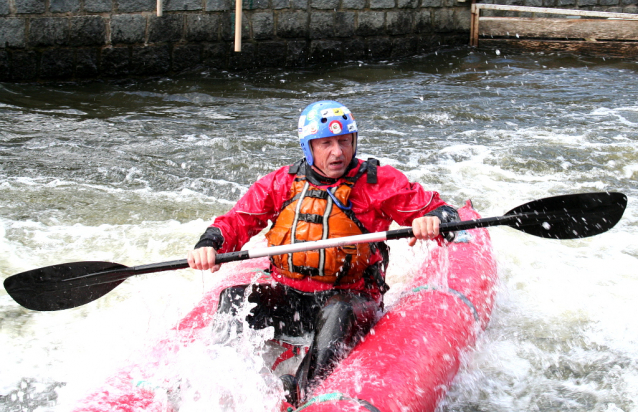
133	171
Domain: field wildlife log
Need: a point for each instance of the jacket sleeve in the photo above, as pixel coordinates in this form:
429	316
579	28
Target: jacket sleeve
232	230
404	201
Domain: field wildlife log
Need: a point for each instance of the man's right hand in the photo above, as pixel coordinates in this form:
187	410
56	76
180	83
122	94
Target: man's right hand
203	259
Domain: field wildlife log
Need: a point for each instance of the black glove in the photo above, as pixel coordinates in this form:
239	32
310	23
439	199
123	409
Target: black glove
446	214
212	237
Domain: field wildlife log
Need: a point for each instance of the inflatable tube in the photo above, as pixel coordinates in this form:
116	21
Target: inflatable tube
409	359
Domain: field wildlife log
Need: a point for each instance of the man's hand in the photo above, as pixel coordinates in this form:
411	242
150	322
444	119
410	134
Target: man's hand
203	259
424	228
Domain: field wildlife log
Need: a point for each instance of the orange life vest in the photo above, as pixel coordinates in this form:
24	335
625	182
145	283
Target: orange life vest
311	213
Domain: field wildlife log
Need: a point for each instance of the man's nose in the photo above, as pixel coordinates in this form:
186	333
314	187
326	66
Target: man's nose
336	149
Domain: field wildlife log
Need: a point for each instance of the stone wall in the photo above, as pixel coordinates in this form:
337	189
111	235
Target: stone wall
77	39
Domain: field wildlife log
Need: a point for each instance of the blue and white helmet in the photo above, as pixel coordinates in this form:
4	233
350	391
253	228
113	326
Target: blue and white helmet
325	118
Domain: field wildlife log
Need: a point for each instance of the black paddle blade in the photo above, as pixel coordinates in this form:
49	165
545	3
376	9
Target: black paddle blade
569	216
51	288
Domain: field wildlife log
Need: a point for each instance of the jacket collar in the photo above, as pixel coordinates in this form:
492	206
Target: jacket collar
319	180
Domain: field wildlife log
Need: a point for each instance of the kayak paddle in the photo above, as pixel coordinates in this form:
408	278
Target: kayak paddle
70	285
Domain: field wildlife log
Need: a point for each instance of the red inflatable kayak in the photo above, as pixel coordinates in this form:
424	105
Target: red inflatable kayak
405	364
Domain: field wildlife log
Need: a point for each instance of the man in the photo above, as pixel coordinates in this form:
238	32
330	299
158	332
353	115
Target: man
335	293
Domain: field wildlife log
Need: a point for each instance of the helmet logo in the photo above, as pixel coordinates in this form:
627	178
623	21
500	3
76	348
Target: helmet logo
313	127
332	112
335	127
352	127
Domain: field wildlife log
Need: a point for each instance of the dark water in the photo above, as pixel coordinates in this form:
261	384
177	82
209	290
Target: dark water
132	171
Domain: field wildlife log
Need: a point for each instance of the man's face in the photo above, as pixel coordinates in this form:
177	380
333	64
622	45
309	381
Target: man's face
332	155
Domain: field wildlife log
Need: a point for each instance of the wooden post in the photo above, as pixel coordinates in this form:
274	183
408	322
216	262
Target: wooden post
238	7
159	8
474	23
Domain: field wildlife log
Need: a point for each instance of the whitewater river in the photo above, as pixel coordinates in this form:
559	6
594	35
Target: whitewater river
133	171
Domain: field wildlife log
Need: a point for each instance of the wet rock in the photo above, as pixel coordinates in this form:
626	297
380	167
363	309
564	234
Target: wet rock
257	4
297	53
128	6
354	4
12	32
151	60
299	4
379	48
371	23
324	4
218	5
407	4
98	6
271	54
399	22
423	21
87	31
344	24
382	4
167	28
443	20
244	59
178	5
263	26
186	57
214	55
4	8
128	28
4	65
282	4
325	51
64	6
24	65
49	31
403	47
57	63
354	49
86	63
202	28
29	6
292	24
431	3
115	62
322	25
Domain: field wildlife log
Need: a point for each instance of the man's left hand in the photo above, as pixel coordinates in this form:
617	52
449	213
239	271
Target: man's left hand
424	228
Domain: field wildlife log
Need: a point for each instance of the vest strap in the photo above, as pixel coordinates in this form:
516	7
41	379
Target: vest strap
318	194
372	170
310	218
294	168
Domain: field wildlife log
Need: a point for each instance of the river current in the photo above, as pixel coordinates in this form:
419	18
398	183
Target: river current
132	171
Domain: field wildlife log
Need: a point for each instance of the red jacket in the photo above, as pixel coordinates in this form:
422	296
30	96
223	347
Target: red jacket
392	198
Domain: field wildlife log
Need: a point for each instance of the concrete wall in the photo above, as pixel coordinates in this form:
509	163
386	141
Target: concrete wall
76	39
